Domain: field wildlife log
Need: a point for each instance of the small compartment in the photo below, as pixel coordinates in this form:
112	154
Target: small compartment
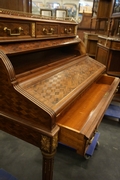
46	29
105	80
14	29
85	114
116	45
101	41
67	30
108	44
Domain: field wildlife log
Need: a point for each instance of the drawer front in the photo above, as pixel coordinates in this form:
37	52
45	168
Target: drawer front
46	30
14	29
67	30
102	41
108	43
115	45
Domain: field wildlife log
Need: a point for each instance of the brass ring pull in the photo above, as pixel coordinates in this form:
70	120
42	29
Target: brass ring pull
49	32
68	31
13	34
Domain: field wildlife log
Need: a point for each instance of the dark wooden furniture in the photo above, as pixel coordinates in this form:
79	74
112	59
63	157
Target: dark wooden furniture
85	25
50	90
108	52
108	47
101	13
104	44
100	17
17	5
90	40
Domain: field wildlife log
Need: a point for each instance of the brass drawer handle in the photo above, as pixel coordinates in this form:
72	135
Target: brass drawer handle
117	89
68	31
49	32
13	34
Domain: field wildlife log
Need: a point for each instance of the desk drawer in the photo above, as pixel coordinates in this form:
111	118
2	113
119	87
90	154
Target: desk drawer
115	45
14	29
102	41
108	43
46	30
67	30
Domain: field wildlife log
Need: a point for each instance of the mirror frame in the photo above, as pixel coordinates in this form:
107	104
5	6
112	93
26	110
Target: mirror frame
115	13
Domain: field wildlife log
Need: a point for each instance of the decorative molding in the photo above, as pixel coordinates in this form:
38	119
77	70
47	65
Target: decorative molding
33	29
45	143
49	144
55	142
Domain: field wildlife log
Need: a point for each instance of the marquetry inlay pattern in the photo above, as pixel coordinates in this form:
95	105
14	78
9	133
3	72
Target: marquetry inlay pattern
28	46
53	89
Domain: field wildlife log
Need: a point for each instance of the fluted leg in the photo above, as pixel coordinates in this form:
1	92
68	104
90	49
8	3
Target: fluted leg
48	149
47	168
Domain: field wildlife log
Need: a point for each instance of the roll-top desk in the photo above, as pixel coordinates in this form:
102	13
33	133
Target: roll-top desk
50	90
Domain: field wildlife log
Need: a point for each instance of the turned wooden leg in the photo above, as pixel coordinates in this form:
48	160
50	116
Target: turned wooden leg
48	149
47	168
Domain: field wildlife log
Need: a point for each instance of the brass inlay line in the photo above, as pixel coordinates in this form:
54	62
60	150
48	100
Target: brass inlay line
33	29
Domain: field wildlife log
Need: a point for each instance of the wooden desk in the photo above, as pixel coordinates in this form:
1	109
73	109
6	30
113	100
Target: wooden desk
51	91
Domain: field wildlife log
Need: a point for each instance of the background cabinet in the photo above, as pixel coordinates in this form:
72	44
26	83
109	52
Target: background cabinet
101	18
85	25
107	33
101	14
108	46
90	40
17	5
108	53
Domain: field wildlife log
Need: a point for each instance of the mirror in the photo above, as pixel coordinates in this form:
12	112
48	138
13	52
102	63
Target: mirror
86	6
52	5
116	8
71	8
115	27
38	8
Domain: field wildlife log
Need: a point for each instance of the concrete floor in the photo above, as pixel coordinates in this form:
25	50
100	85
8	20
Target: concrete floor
24	161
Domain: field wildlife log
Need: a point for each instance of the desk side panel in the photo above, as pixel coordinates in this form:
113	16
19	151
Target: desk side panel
14	101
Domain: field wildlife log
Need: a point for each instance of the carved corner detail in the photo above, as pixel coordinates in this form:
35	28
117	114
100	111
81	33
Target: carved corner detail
49	144
45	143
